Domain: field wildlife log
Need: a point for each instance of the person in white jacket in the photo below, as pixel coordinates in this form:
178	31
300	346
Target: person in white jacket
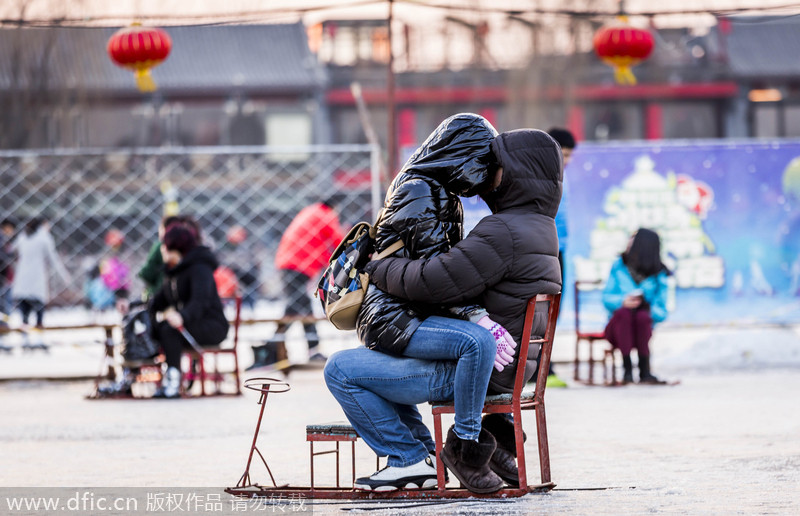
36	256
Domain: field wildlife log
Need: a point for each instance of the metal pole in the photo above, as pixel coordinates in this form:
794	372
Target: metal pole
375	181
392	143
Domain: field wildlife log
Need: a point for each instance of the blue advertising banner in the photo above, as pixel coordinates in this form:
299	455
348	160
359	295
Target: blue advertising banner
728	214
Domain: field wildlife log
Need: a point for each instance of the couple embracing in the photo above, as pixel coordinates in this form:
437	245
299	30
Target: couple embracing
443	315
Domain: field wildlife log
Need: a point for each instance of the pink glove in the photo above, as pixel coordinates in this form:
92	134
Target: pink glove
505	344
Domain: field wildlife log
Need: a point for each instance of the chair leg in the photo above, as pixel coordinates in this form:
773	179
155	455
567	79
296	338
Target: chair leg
236	372
437	430
544	449
353	462
216	375
575	375
311	462
337	464
591	362
519	441
202	375
612	365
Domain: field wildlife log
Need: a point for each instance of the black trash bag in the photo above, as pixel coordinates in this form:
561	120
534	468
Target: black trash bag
137	336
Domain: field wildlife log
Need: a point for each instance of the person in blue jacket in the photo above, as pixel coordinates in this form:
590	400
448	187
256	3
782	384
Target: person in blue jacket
566	140
636	298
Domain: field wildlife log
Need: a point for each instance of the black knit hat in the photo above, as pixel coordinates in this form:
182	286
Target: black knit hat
563	137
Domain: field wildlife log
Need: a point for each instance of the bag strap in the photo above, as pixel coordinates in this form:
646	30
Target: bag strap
389	250
373	233
373	228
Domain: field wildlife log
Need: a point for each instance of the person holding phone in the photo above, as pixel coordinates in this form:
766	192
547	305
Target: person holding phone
635	296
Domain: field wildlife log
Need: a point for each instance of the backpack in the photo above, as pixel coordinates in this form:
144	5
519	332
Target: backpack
343	285
137	338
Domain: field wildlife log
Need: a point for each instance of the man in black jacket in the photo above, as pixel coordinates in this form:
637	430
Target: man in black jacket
508	257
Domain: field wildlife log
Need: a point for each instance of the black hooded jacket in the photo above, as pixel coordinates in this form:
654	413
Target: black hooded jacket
423	210
509	257
189	287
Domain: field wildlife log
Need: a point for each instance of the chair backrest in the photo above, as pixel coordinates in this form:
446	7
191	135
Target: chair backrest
546	342
582	286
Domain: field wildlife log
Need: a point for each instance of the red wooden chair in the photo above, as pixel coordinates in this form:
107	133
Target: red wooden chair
212	352
590	337
517	401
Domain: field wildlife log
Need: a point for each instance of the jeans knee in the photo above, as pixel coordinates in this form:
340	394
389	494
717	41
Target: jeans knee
643	317
331	372
485	343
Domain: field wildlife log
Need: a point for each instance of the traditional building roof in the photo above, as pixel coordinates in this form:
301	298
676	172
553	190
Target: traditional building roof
762	47
266	59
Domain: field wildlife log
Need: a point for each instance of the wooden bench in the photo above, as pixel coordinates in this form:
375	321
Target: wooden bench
149	370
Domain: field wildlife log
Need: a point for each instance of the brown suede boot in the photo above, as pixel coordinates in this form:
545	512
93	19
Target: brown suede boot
469	461
504	458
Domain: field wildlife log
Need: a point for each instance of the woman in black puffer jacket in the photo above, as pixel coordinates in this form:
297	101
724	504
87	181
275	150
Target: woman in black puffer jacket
423	210
188	299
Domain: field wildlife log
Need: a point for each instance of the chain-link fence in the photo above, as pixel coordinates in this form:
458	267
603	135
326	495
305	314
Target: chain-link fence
242	197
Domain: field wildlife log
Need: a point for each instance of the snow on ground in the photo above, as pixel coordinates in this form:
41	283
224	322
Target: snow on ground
722	442
726	440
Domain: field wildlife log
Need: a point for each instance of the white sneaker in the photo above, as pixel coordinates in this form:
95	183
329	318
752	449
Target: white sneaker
421	475
170	384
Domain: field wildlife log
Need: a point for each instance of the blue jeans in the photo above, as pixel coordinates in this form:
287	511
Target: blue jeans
379	392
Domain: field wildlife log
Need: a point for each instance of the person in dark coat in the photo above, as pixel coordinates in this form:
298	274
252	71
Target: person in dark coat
509	257
188	299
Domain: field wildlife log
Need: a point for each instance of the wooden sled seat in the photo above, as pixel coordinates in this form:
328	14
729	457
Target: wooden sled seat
337	431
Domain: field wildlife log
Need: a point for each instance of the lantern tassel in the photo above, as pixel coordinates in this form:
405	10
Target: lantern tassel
624	75
144	81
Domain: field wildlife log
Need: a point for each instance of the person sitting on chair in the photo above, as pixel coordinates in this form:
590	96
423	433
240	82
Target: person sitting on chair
635	296
422	211
187	301
507	258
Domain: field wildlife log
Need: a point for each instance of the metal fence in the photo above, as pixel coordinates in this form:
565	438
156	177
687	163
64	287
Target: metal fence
87	193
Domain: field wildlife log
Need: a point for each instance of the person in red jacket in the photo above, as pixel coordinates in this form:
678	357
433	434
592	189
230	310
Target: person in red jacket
303	252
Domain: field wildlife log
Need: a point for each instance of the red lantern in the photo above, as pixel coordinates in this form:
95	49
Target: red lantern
140	49
622	47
